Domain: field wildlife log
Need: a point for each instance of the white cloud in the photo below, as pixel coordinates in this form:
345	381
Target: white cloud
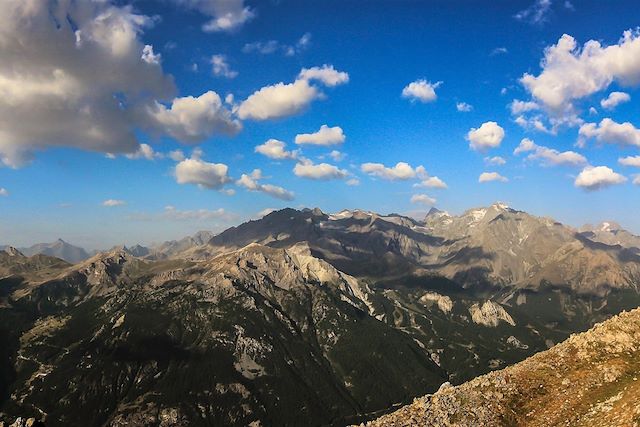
265	212
337	156
610	132
598	177
463	107
221	68
636	180
272	46
421	90
353	182
630	161
534	123
275	149
110	203
279	100
74	74
518	107
324	136
431	182
499	51
536	13
423	199
570	73
326	74
250	182
488	135
400	172
320	171
614	99
286	99
149	56
191	119
174	214
4	192
145	151
177	155
495	161
491	176
226	15
203	174
549	156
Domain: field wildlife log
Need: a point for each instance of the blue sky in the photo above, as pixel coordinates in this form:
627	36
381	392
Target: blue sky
75	179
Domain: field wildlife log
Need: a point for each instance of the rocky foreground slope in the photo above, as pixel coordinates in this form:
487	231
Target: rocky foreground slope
591	379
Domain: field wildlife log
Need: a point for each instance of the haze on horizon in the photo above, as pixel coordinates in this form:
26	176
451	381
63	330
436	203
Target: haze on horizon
138	122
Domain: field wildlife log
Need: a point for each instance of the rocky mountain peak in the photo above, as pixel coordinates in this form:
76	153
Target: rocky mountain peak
11	251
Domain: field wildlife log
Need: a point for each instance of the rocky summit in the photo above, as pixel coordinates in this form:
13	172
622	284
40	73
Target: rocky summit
343	317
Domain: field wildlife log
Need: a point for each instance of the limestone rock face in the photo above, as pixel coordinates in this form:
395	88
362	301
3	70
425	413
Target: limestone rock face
489	314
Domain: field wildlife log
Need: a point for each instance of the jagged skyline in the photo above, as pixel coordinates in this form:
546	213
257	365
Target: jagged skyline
134	122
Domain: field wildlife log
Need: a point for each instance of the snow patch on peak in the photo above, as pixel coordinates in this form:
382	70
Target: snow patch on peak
501	206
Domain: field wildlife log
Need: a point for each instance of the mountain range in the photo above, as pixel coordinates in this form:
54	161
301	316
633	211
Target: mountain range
340	316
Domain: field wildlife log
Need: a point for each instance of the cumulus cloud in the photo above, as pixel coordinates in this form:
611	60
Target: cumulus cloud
421	90
324	136
431	182
76	74
614	99
491	176
598	177
203	174
287	99
145	151
250	182
191	119
149	56
58	82
226	15
535	14
275	149
110	203
221	68
400	172
353	182
488	135
636	180
518	107
463	107
610	132
177	155
495	161
4	192
630	161
273	46
326	74
549	156
423	199
279	100
570	73
175	214
321	171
